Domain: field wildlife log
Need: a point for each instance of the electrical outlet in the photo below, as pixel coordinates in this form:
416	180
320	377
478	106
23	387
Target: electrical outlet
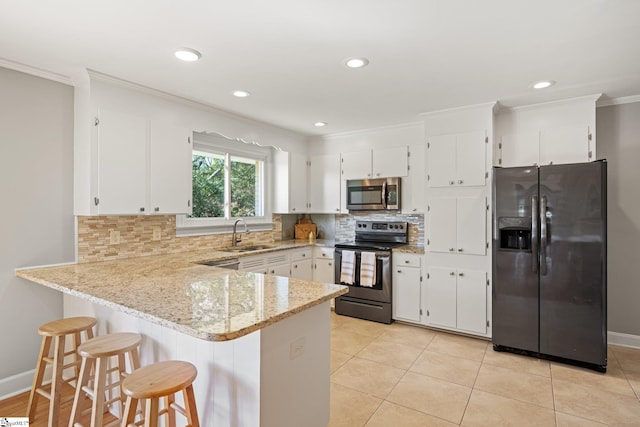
156	233
114	237
297	348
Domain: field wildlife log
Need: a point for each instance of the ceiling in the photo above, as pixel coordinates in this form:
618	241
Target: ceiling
425	55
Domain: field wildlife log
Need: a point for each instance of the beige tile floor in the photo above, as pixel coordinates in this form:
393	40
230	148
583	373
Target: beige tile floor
403	376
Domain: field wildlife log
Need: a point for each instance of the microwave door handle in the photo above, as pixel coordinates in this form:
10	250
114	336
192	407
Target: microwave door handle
384	195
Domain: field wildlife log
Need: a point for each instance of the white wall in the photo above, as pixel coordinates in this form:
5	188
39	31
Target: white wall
618	129
36	220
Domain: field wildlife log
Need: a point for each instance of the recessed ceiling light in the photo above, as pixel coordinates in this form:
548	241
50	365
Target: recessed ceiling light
356	62
241	93
187	54
320	124
543	84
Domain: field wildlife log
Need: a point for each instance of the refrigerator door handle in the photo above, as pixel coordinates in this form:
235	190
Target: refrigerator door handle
534	234
543	235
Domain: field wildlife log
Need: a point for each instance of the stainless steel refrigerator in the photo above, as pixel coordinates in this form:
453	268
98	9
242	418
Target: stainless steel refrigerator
549	262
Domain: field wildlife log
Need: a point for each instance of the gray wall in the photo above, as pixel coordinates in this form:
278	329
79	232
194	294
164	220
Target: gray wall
618	139
36	215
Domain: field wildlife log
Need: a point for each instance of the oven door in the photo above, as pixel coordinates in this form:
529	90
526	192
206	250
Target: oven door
381	290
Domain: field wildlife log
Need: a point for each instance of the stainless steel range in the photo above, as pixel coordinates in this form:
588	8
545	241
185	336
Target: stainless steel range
364	265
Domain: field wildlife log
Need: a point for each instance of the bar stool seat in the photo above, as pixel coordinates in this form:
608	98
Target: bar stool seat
160	380
56	333
97	354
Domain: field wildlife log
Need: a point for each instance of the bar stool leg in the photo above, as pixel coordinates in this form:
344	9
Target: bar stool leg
151	413
81	400
190	406
130	411
37	379
56	380
97	411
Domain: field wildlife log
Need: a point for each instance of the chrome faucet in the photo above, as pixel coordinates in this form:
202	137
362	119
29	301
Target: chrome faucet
234	238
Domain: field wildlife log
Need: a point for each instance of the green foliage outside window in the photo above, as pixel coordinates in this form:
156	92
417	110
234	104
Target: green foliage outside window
208	187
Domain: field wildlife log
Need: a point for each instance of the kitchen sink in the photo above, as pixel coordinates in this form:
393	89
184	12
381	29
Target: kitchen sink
247	248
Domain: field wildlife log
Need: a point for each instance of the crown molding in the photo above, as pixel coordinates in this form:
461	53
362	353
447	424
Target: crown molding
34	71
589	98
618	101
492	105
365	131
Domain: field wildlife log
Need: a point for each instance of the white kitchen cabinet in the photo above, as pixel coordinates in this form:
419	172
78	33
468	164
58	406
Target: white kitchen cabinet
457	299
550	146
283	270
324	183
143	166
407	287
323	266
290	177
458	225
375	163
170	182
302	264
457	159
413	186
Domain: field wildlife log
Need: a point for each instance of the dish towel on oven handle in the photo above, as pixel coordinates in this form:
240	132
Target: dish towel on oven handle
347	267
367	269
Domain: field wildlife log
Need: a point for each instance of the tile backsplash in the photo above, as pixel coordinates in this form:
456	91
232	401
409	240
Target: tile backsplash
102	238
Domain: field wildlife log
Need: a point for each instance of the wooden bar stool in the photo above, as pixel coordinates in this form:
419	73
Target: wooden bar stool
56	333
96	368
156	381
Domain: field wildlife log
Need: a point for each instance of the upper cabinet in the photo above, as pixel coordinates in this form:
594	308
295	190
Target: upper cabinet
324	183
375	163
141	166
413	186
458	225
550	133
457	159
290	189
550	146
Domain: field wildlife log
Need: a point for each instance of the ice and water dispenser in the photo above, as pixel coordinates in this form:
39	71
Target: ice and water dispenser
515	233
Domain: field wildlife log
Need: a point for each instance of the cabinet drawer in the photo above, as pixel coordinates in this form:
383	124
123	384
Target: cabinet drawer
323	253
301	255
407	260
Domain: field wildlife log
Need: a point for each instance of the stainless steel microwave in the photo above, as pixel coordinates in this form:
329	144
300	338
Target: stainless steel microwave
373	194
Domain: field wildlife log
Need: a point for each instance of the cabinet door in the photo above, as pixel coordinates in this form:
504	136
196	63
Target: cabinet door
471	165
413	187
442	224
564	145
324	184
280	270
441	297
122	163
356	165
406	293
302	269
297	183
441	160
323	271
390	162
471	225
169	169
472	301
520	149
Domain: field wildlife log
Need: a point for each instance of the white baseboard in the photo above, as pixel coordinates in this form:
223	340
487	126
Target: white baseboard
16	384
625	340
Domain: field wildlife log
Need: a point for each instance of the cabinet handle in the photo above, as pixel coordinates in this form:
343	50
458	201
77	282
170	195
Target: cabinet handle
157	209
141	209
453	273
293	209
459	249
304	255
399	271
295	266
460	181
451	249
273	271
451	182
406	261
337	210
461	274
378	174
329	264
368	174
414	209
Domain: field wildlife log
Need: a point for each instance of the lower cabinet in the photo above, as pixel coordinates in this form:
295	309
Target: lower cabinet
323	267
407	287
457	299
302	264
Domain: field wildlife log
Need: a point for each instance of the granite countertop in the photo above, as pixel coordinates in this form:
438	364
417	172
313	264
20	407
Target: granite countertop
410	249
175	291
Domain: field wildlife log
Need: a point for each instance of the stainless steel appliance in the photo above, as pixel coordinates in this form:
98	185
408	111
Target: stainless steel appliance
549	262
373	194
370	303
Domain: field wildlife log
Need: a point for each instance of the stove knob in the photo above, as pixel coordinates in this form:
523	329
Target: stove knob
401	226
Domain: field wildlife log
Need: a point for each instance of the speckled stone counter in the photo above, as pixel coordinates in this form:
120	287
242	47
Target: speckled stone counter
410	249
175	291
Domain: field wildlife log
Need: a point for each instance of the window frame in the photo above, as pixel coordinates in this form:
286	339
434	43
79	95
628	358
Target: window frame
219	144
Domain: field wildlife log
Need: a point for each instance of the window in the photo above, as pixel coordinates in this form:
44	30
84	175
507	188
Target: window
228	182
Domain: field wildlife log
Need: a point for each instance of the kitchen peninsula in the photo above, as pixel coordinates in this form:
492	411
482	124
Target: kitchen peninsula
260	342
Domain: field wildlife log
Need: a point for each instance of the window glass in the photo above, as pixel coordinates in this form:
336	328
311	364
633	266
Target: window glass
208	185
